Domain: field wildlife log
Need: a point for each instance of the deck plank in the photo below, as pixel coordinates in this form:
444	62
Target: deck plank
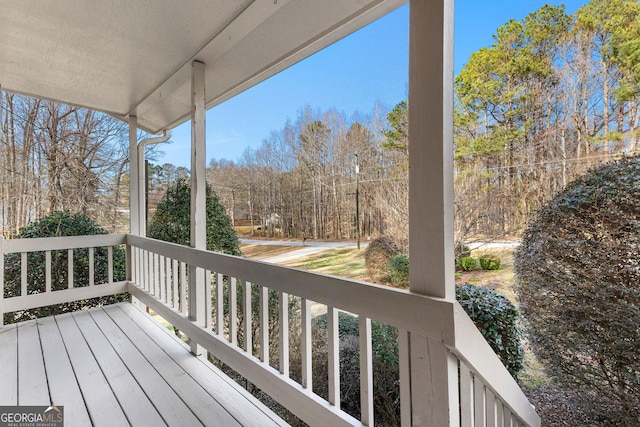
32	379
172	409
203	405
134	402
102	405
9	363
63	386
215	382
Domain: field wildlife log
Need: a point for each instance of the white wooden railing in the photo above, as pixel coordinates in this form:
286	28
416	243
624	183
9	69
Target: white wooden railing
27	299
159	273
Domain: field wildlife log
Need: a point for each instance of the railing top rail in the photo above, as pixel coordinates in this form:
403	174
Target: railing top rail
61	243
425	316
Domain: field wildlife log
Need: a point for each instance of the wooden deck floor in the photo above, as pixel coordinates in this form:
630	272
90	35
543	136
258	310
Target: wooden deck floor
116	366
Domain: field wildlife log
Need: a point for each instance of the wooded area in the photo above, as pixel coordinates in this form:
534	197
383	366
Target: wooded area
553	96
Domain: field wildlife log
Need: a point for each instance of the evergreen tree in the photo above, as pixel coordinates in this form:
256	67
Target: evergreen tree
172	220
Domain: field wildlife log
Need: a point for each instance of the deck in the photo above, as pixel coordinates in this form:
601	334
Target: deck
116	366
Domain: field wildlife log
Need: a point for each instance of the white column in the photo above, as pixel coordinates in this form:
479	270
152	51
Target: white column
433	370
198	195
134	184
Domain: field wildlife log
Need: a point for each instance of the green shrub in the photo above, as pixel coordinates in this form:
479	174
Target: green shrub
497	319
467	263
490	262
377	258
60	224
578	285
400	271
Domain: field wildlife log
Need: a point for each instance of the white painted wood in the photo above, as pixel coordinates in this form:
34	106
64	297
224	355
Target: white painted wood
434	383
283	332
156	276
216	383
133	400
499	414
62	296
306	349
248	317
32	380
404	367
420	314
233	312
134	184
472	349
47	271
508	418
333	352
70	280
63	386
220	304
62	243
183	387
98	396
171	408
303	403
176	284
490	400
9	363
466	396
92	268
264	324
208	308
183	288
366	372
479	403
23	274
431	148
110	265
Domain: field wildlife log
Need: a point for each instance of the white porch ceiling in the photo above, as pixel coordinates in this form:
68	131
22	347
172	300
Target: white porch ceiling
134	56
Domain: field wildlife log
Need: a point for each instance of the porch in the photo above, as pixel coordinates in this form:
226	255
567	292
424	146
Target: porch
88	359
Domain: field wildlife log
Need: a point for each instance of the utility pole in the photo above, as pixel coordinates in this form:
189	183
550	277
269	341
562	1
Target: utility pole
357	201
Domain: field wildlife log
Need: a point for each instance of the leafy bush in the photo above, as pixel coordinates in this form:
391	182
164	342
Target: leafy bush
498	321
490	262
467	263
172	220
400	271
578	275
59	224
377	258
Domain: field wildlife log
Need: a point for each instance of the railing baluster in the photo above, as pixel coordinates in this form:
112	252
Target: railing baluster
248	329
220	304
23	274
491	408
264	325
283	319
466	396
405	377
499	414
162	291
333	350
233	312
176	277
307	368
156	275
508	417
478	403
110	264
47	269
168	285
92	278
70	268
183	287
366	372
207	300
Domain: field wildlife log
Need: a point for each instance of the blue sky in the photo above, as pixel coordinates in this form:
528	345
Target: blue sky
352	75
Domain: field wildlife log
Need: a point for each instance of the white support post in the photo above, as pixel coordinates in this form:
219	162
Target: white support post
433	369
1	275
134	185
198	195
